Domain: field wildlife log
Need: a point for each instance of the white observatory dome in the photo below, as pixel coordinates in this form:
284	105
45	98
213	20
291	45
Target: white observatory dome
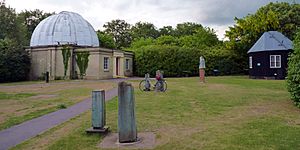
64	28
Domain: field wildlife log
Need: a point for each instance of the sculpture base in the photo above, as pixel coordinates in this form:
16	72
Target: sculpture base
97	130
145	140
202	75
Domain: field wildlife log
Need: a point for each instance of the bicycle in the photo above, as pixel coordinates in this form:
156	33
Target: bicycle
161	86
145	85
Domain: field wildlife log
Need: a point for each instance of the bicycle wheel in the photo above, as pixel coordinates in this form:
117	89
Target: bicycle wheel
164	86
144	86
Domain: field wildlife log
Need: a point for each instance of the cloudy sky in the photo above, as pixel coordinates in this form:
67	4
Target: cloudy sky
217	14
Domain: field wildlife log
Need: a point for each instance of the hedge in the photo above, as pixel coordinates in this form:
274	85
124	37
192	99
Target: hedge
177	61
293	77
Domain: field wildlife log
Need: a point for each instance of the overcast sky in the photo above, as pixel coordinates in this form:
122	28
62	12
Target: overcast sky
217	14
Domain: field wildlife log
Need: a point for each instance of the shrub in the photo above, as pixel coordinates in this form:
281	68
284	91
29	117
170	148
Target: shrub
14	62
177	61
293	77
61	106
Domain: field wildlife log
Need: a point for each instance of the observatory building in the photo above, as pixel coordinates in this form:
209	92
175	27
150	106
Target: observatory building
63	43
268	57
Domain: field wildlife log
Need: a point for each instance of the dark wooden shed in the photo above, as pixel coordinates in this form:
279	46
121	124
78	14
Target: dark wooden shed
268	57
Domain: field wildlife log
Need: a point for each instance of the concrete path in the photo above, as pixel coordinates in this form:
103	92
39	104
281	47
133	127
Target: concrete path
19	133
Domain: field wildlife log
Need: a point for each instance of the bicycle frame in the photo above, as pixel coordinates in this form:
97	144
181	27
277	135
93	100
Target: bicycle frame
148	83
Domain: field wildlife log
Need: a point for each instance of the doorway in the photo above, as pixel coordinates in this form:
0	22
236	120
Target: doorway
117	66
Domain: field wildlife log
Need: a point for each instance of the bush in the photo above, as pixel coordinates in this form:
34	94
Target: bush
14	62
222	60
293	77
177	61
61	106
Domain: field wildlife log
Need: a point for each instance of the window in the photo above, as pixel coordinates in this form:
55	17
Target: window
250	62
127	64
105	63
275	61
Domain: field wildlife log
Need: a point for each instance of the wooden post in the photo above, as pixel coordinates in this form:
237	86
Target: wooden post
126	120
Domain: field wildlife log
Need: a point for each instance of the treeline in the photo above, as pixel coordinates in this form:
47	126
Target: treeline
176	51
122	35
15	33
188	41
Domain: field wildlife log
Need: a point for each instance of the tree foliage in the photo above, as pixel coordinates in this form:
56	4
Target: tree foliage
203	37
30	19
288	17
166	30
293	77
144	30
127	36
106	40
14	61
10	28
141	42
167	40
187	28
120	30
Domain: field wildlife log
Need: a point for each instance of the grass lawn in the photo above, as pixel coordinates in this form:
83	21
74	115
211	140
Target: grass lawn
23	101
224	113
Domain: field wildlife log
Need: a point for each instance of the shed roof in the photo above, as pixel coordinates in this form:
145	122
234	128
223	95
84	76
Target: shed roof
272	41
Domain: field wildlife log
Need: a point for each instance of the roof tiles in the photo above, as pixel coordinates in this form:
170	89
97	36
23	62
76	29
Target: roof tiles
272	41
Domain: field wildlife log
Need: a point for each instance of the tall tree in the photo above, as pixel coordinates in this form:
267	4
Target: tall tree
9	26
288	17
14	61
166	30
106	40
120	30
31	19
247	30
144	30
204	37
187	28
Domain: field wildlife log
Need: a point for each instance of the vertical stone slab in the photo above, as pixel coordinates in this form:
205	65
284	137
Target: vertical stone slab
98	109
126	121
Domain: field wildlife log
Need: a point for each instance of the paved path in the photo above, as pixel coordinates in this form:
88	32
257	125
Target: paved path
19	133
